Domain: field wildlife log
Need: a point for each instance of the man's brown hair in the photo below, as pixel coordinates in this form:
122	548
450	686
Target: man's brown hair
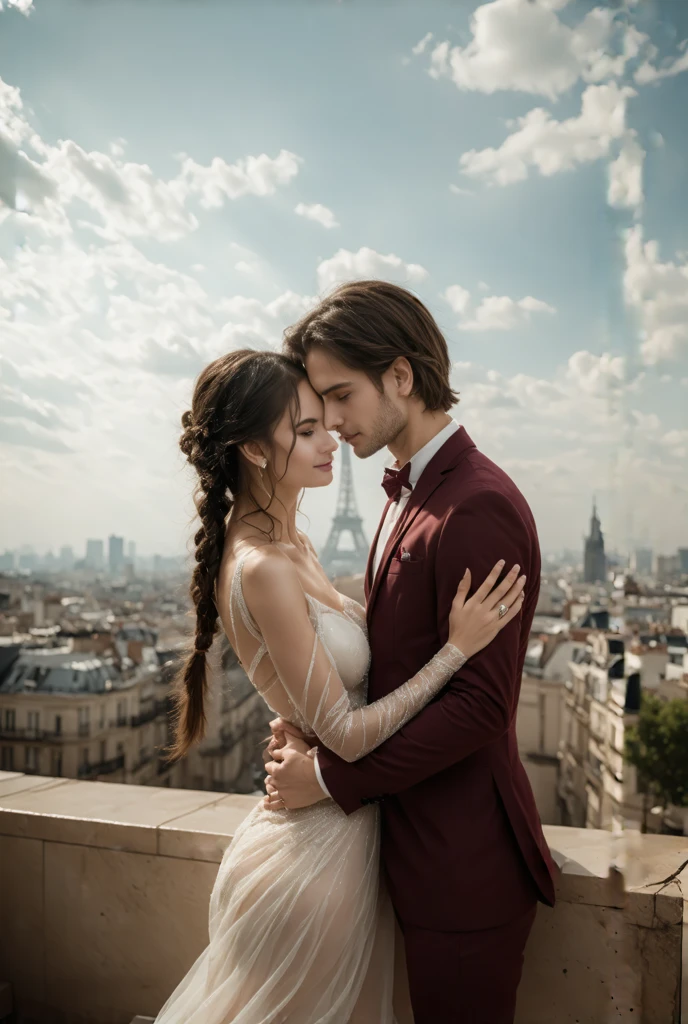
367	325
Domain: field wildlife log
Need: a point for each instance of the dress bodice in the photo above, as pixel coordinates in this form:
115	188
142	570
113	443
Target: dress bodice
311	665
343	635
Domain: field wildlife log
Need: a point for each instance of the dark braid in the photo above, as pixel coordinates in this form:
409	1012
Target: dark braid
238	398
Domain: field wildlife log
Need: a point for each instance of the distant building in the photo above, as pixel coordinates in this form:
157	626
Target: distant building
131	551
94	554
594	559
679	617
540	715
28	559
116	554
597	789
66	559
78	715
683	560
100	707
667	568
641	561
7	561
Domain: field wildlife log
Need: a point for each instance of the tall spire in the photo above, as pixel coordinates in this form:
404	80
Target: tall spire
594	558
595	525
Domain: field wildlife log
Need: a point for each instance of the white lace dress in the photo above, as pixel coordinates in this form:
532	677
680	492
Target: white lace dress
300	928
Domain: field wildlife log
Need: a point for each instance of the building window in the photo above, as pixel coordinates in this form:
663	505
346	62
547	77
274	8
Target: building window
34	720
84	721
56	763
102	715
84	757
31	759
103	750
10	720
7	759
58	725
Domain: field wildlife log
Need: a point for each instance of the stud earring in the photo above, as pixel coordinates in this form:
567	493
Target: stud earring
264	464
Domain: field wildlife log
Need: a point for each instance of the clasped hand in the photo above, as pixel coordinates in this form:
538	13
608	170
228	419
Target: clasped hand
291	781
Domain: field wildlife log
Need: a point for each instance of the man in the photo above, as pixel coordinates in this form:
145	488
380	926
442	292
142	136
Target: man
462	843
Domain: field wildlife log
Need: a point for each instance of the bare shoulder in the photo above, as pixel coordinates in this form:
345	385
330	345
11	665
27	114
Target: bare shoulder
266	565
270	578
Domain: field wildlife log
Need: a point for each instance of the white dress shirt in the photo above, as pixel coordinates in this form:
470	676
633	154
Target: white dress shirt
418	463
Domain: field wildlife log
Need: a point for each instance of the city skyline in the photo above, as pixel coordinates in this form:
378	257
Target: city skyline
155	219
646	556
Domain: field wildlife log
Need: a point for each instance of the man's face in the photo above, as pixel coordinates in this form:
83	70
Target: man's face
362	416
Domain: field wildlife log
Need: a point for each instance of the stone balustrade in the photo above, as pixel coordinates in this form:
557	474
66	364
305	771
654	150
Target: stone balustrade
104	899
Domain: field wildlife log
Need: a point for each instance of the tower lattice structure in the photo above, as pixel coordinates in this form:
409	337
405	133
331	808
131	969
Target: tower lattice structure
349	560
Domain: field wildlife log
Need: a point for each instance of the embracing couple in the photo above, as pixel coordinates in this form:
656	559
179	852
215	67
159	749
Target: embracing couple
398	811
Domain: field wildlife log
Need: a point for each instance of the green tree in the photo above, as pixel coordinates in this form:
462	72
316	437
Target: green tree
657	745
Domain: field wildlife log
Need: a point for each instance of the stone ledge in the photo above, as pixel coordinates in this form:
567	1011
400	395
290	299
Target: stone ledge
191	824
597	867
104	889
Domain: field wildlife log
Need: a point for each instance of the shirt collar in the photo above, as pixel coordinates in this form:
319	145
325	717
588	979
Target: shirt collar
423	456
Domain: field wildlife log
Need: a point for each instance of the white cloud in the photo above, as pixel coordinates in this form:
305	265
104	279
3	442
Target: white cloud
14	124
252	175
117	198
567	437
520	45
501	313
22	181
366	263
649	72
658	292
24	6
248	321
551	146
494	312
422	45
458	298
596	375
317	212
579	392
127	197
458	191
677	442
625	189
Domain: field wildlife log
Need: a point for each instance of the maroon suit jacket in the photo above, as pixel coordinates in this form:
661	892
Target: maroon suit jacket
462	842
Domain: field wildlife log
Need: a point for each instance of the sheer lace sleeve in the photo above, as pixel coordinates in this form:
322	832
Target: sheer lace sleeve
279	610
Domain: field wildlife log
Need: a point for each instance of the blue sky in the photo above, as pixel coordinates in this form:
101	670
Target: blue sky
521	166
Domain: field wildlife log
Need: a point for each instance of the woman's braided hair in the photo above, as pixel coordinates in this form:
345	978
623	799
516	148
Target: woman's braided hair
238	398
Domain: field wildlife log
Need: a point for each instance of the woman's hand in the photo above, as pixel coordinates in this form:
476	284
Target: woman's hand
278	726
284	734
475	622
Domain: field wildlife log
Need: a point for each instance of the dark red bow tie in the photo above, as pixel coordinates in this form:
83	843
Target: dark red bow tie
395	479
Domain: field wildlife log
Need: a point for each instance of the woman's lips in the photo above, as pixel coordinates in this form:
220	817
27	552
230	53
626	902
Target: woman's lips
325	465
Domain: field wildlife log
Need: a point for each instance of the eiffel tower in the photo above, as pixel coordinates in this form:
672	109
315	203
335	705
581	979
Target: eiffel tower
346	561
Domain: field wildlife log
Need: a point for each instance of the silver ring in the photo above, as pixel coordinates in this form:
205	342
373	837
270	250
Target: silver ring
502	610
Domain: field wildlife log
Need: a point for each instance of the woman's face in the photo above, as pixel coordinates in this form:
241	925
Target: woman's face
310	463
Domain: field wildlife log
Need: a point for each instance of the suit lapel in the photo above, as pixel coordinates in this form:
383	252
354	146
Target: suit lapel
450	454
368	581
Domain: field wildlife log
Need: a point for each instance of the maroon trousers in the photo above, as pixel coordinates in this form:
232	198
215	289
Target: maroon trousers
466	977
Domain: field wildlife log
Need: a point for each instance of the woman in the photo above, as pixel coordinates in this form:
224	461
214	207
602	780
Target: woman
301	929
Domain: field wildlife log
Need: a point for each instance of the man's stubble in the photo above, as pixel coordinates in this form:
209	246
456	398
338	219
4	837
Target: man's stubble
388	424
